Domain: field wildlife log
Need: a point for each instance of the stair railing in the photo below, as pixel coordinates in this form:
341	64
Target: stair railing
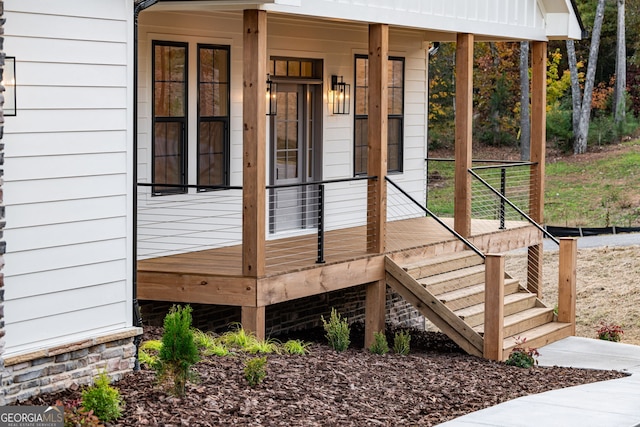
504	200
436	218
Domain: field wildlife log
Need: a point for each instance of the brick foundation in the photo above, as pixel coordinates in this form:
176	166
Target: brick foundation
293	315
58	368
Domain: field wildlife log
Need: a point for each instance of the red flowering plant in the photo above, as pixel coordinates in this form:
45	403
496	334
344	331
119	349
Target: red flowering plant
609	331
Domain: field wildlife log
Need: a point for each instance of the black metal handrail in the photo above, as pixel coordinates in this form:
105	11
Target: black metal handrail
197	187
438	220
507	163
326	181
517	209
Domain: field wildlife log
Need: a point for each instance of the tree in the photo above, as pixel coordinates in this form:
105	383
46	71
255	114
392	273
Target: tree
619	104
525	123
581	131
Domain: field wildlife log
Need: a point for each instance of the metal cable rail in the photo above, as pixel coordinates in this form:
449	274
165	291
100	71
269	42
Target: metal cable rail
438	220
503	199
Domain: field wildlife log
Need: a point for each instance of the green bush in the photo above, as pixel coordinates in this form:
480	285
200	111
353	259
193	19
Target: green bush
338	331
296	347
148	353
238	338
560	127
401	343
102	399
255	370
179	351
523	357
379	344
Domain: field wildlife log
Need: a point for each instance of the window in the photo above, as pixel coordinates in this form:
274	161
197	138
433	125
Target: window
395	86
213	115
171	115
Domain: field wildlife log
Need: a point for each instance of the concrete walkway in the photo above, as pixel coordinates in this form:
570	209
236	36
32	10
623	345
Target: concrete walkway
614	403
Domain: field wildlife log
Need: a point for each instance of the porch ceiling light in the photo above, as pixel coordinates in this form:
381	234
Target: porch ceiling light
271	99
339	96
9	83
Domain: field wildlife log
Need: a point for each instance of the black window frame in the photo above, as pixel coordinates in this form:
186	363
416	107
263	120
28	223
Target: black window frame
225	120
183	146
359	118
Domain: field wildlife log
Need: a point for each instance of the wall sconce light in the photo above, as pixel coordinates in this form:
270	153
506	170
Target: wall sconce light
272	97
340	94
9	83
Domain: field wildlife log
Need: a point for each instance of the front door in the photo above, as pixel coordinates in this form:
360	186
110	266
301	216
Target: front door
293	159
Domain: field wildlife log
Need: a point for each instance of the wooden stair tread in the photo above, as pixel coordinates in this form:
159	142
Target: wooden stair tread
520	316
441	259
452	275
538	336
471	290
508	299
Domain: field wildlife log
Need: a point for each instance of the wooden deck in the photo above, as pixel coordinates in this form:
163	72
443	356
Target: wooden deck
214	276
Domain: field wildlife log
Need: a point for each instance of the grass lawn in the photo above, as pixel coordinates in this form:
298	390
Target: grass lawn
598	189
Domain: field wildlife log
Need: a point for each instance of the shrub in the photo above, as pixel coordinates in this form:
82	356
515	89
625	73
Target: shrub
255	370
337	329
148	353
179	351
102	399
238	338
401	342
75	415
609	331
296	347
379	344
523	357
264	347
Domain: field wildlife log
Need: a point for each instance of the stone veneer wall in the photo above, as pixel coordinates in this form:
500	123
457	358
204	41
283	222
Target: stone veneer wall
54	369
2	244
292	315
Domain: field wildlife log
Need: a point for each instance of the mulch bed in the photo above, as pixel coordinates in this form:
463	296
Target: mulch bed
435	383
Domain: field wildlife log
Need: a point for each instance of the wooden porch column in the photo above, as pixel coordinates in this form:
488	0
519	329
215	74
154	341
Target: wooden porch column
254	142
567	282
463	133
253	320
494	307
538	146
377	166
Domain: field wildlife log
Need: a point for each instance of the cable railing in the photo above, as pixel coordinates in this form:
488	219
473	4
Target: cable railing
306	223
498	202
402	206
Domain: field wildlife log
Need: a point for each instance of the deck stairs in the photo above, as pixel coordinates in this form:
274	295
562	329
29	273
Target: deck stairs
449	291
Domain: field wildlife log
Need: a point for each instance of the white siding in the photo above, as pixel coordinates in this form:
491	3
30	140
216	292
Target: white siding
68	185
161	232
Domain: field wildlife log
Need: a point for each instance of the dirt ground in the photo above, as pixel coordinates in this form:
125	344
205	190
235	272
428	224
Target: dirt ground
608	287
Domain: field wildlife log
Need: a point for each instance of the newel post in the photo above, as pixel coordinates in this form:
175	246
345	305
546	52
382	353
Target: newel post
567	282
494	307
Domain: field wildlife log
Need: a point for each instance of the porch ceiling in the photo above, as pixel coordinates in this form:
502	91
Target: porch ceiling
543	19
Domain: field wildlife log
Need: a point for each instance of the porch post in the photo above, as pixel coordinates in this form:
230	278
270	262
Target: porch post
377	166
494	307
254	142
463	133
538	145
567	282
253	319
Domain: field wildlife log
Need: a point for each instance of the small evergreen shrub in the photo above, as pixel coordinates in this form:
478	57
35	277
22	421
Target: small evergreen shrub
379	344
401	343
609	331
102	399
179	351
255	370
338	331
296	347
523	357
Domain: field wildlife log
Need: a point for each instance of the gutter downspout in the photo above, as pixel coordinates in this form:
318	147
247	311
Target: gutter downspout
137	316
